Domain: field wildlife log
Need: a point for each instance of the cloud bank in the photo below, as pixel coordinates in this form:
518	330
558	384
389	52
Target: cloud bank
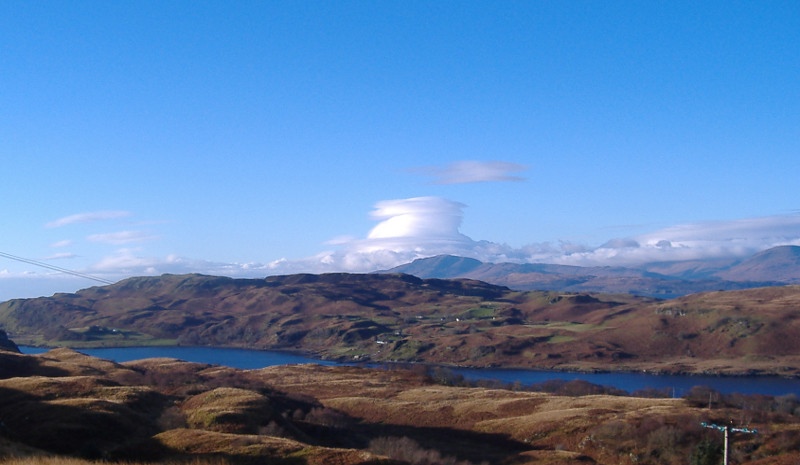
694	241
419	227
427	226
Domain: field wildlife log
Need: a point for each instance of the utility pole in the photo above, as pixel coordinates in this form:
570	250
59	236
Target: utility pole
727	429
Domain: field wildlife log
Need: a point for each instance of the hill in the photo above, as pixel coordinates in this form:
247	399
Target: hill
65	408
394	317
779	264
66	403
776	266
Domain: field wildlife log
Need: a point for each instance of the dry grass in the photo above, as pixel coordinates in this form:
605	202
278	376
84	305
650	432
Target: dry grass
259	449
173	411
228	410
598	429
50	460
196	441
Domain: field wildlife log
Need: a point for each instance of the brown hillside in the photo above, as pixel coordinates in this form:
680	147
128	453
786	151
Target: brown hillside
402	318
169	411
158	409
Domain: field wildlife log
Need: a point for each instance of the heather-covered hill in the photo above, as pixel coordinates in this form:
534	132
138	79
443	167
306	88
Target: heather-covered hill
64	408
66	403
403	318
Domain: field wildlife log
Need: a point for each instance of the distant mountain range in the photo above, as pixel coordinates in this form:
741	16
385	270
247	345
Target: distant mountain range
773	267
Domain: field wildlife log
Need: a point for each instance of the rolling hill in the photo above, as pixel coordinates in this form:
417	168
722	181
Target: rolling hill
397	317
65	408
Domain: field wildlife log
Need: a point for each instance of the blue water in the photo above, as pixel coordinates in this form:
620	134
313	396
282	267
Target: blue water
236	358
677	384
252	359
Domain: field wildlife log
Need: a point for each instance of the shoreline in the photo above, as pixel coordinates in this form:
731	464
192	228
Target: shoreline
646	368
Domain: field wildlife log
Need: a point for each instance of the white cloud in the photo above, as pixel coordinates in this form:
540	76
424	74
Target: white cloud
88	217
59	244
418	218
61	256
127	261
751	233
694	241
427	226
121	237
421	227
469	171
407	229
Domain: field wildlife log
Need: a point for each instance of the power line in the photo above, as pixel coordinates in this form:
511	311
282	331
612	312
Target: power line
727	429
55	268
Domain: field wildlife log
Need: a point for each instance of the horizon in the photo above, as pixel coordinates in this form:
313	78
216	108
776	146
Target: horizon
256	139
69	279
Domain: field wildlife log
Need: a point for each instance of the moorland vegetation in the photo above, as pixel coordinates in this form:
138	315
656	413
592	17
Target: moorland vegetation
66	408
401	318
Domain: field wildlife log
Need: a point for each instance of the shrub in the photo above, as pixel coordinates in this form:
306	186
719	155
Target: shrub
328	417
272	429
445	376
707	453
703	396
171	418
664	441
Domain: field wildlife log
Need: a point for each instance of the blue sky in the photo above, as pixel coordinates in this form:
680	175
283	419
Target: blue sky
256	138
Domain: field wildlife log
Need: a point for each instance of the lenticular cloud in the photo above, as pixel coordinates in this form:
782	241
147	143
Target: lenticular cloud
407	229
420	218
